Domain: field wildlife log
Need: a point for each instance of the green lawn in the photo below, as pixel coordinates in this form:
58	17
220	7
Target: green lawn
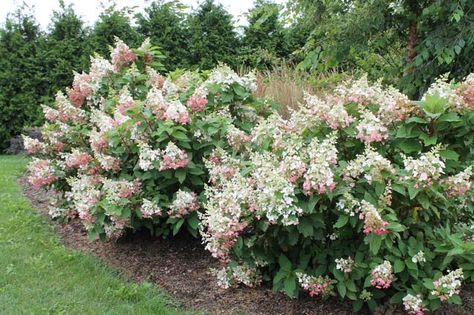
38	275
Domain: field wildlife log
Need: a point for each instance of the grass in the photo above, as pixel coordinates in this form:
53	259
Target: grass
286	85
38	275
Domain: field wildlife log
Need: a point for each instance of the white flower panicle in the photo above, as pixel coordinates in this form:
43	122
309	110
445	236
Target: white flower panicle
344	265
426	169
184	203
149	209
448	285
371	164
348	204
147	156
371	129
414	304
320	174
419	257
275	194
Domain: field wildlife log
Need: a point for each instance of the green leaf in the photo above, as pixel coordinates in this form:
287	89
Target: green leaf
455	299
341	288
193	220
398	266
284	262
351	285
312	202
372	305
410	145
397	298
305	227
280	275
181	175
357	306
412	192
374	244
449	117
449	155
396	227
427	140
290	285
343	219
177	226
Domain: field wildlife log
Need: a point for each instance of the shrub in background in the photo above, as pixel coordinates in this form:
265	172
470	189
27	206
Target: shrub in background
361	193
125	146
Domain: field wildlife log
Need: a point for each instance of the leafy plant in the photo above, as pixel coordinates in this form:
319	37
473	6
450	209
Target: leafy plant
125	152
363	194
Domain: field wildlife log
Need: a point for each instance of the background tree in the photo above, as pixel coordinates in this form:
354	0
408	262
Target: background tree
409	42
164	22
62	51
19	74
213	38
264	36
113	23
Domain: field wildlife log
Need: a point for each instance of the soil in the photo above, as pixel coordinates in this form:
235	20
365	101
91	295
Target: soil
181	267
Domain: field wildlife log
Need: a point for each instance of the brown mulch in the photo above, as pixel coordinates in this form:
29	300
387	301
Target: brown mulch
181	266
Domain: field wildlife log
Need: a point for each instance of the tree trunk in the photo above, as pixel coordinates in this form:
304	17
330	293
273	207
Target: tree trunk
412	42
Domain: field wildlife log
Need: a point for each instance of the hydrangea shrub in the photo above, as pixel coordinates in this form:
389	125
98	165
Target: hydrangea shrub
361	194
124	146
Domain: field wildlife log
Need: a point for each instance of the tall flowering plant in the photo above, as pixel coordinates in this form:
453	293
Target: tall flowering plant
361	193
124	146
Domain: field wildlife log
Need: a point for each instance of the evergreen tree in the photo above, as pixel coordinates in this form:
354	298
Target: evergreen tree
19	74
112	23
62	51
213	38
164	22
264	35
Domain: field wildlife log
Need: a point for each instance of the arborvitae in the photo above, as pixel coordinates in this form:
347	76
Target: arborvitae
213	38
19	74
264	35
112	23
62	51
165	24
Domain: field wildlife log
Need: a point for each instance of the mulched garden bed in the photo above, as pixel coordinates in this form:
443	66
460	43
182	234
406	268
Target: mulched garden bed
181	267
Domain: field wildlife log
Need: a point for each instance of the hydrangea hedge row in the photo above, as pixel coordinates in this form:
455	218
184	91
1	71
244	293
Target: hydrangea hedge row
125	146
360	193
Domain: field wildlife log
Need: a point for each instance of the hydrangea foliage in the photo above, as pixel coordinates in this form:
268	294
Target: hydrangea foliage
360	193
125	145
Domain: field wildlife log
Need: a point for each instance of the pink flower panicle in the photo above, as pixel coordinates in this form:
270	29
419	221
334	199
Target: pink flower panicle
173	158
81	89
121	55
77	159
32	146
197	103
382	276
41	173
370	129
184	203
316	286
459	184
373	221
448	285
